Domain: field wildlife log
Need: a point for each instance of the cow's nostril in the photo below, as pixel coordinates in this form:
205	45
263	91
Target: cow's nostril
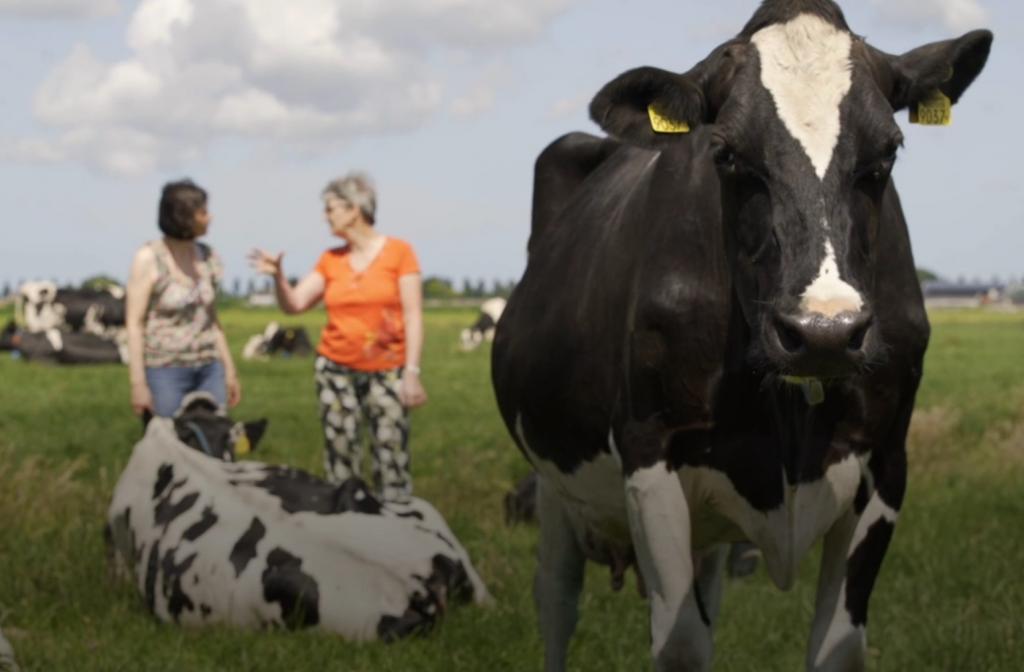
858	336
790	338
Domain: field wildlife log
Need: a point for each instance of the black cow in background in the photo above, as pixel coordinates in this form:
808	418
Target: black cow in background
720	333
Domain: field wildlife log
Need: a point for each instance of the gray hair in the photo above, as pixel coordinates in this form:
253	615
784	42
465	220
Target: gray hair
357	189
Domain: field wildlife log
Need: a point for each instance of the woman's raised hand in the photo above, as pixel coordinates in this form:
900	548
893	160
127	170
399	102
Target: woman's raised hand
264	262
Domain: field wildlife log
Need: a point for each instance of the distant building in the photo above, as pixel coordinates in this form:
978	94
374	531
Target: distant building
262	299
945	294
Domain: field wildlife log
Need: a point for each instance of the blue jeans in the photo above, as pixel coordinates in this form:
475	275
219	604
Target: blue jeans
170	384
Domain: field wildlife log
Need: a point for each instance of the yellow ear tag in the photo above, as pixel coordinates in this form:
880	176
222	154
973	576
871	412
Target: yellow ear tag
242	446
662	124
814	391
935	110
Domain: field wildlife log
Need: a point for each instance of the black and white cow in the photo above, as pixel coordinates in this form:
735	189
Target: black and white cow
483	329
7	661
40	305
56	346
278	340
256	545
35	308
719	334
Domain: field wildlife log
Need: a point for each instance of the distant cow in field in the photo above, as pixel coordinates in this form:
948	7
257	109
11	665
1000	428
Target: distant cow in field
56	346
40	305
483	329
278	340
34	306
256	545
720	333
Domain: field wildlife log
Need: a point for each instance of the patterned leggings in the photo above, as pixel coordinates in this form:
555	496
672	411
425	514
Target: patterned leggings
347	397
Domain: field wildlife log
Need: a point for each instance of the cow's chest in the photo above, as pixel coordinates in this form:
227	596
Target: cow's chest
592	496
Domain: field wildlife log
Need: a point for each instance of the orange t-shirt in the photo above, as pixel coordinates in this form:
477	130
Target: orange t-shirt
365	329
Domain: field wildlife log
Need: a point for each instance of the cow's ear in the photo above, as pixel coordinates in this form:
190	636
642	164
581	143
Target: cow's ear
648	106
254	431
949	66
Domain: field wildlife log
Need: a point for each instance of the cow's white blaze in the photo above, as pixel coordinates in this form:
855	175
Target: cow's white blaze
828	294
805	65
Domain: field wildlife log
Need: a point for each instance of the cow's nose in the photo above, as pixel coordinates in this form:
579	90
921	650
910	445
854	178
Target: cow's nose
816	344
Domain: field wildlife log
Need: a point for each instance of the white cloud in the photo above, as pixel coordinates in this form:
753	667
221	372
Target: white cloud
475	102
569	107
956	15
59	8
305	71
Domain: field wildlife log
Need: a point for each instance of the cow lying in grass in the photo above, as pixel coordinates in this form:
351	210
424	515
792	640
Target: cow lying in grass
66	347
7	661
255	545
278	340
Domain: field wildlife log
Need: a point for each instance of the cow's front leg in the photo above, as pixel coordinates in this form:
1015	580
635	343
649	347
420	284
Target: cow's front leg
659	521
852	557
559	579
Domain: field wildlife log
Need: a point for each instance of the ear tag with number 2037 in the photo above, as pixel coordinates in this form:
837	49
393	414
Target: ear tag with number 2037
935	110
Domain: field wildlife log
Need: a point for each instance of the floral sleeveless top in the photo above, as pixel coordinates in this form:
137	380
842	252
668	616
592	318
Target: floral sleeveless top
181	319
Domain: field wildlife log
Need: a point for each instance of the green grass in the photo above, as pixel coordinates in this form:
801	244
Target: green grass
950	596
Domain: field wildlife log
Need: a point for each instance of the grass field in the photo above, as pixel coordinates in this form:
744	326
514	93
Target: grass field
950	597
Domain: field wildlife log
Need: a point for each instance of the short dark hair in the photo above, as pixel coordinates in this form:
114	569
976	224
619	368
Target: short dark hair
179	203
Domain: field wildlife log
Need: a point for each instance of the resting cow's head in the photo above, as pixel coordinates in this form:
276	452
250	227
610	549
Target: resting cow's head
799	115
201	424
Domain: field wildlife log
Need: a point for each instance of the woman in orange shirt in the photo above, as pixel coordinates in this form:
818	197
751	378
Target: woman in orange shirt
368	363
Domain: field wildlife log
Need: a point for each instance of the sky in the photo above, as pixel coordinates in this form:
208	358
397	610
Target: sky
445	103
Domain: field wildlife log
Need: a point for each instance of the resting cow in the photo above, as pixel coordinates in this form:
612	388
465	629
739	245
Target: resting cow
720	333
40	305
34	306
68	347
483	329
256	545
278	340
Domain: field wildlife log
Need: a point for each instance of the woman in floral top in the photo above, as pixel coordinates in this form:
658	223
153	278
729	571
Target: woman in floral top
175	343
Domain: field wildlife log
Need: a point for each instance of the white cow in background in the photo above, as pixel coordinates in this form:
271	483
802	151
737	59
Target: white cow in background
483	329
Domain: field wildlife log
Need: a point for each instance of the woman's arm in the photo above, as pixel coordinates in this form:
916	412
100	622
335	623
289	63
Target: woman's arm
234	387
410	291
304	295
140	286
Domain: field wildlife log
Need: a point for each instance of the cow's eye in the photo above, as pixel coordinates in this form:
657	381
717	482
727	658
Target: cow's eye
725	159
